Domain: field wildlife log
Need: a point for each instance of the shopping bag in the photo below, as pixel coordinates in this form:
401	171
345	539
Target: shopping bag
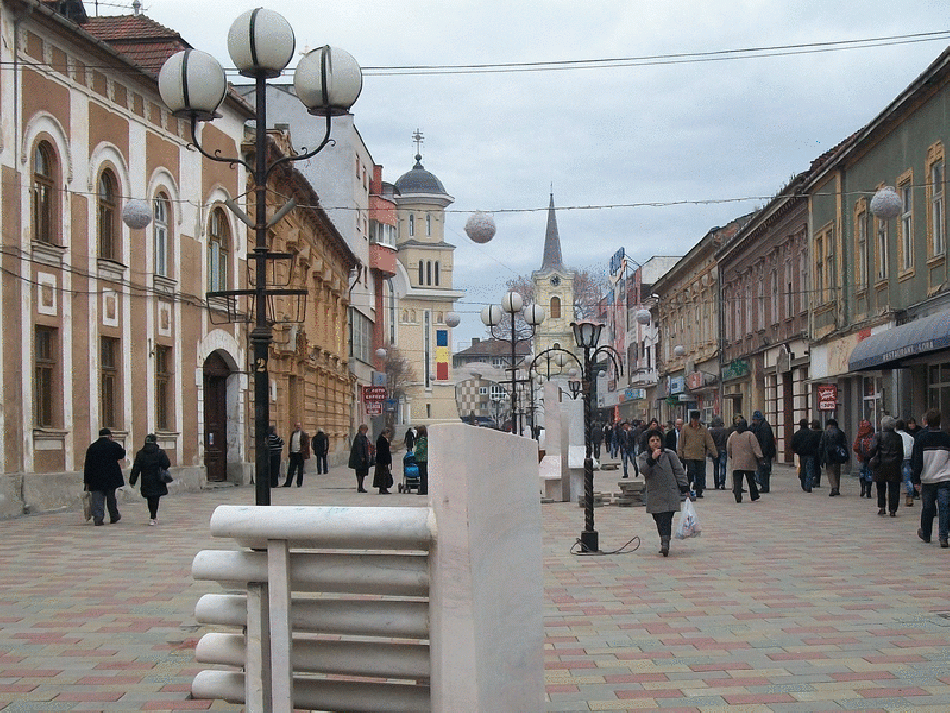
86	498
688	525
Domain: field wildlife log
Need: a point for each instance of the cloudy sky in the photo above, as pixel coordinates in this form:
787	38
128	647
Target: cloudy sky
647	153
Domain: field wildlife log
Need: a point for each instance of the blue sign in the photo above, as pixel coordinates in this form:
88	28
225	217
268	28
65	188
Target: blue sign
389	405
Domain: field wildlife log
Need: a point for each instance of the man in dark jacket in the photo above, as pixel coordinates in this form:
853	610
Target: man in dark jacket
930	474
102	475
805	445
763	434
720	434
299	453
321	448
275	446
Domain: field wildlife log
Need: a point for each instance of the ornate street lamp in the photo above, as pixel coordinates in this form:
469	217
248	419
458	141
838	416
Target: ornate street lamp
491	316
192	84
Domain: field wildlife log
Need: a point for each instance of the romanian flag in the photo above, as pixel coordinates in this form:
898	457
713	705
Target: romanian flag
441	355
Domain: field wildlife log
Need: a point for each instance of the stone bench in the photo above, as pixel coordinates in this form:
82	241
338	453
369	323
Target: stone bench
631	492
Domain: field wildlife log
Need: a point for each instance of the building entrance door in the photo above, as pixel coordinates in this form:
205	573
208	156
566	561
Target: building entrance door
216	374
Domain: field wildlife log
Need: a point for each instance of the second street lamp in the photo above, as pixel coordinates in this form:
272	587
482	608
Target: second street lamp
192	84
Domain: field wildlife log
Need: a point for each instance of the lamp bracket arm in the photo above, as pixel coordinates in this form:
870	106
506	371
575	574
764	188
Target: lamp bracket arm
536	360
612	353
216	156
304	156
278	216
236	209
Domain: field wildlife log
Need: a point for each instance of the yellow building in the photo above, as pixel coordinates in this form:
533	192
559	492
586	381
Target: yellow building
426	297
554	291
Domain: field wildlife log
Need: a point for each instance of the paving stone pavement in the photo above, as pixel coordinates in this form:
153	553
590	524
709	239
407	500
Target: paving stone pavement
795	603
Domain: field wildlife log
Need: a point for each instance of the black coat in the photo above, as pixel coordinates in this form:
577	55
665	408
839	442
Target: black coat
831	438
359	453
765	437
669	440
320	444
148	463
805	442
887	457
101	470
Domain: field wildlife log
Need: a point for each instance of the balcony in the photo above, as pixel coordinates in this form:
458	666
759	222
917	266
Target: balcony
382	258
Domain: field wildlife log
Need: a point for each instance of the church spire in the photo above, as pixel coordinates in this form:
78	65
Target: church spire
552	242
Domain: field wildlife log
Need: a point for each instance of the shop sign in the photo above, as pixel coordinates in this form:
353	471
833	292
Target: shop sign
735	369
374	408
827	397
676	385
635	394
374	393
695	380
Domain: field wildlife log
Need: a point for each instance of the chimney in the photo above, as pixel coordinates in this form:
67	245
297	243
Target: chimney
475	340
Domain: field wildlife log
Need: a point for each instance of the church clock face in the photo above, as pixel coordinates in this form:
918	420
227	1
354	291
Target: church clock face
555	281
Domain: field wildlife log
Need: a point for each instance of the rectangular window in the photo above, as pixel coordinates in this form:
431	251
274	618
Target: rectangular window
882	256
819	285
44	373
938	218
361	336
109	382
162	387
904	188
760	307
773	286
830	273
861	223
748	308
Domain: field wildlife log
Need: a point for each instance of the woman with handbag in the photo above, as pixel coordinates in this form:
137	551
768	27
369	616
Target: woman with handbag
744	453
382	476
833	453
152	464
666	484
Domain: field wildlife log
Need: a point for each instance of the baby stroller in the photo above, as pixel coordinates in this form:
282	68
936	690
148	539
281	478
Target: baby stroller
410	474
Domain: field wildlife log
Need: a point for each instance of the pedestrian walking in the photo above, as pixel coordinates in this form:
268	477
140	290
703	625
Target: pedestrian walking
695	442
908	441
422	459
149	464
930	474
359	457
720	434
409	439
665	484
299	448
382	476
630	448
862	449
275	446
672	438
102	476
596	437
886	456
744	453
833	453
320	446
913	428
805	443
763	433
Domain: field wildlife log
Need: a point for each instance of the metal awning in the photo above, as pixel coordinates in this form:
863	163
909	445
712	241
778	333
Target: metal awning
889	348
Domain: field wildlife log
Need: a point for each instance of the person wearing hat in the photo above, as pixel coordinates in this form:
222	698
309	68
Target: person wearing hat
149	463
763	433
694	443
102	476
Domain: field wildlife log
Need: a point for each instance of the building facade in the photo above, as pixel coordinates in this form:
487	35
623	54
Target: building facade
554	291
106	325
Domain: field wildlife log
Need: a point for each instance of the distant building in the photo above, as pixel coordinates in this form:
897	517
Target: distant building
554	291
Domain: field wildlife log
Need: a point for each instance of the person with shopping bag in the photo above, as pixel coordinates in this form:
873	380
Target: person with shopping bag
666	484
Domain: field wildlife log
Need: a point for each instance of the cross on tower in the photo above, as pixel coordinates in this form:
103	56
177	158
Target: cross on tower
418	138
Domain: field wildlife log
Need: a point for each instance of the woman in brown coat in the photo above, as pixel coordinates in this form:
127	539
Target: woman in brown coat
744	451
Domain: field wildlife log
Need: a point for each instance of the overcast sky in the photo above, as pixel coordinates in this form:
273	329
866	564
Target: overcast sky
721	129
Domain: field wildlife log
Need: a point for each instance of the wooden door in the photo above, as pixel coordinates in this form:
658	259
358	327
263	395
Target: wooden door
216	373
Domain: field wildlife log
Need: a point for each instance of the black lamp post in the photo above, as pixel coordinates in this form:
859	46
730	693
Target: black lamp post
586	336
512	303
192	84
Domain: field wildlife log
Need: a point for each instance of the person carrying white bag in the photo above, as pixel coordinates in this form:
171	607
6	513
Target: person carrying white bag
666	484
688	525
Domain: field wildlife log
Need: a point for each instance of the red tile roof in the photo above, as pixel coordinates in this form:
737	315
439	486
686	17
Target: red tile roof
141	39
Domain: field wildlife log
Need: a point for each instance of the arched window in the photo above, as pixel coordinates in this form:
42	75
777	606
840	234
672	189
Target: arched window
422	273
219	248
555	308
428	225
44	200
428	272
412	225
160	232
106	214
436	273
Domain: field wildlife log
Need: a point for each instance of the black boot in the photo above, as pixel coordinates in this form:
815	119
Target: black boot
665	545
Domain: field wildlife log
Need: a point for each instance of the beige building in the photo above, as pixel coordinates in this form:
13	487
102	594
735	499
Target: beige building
426	297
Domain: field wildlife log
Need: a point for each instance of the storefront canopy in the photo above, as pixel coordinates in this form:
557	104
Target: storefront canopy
889	348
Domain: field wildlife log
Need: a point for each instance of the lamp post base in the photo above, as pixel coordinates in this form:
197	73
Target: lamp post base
590	541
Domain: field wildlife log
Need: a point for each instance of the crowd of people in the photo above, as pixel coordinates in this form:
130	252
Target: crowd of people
899	461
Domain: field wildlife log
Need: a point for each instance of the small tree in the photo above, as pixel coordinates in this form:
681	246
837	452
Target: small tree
399	374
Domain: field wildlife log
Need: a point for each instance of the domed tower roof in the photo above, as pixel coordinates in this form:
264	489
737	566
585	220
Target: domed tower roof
418	180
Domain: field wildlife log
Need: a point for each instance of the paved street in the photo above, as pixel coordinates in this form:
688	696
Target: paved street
794	603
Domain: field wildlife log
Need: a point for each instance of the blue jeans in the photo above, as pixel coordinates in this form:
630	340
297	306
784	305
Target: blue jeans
905	472
935	500
808	472
629	455
719	469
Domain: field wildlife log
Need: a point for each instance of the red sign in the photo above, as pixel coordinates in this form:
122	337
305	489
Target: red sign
694	380
827	397
374	408
374	393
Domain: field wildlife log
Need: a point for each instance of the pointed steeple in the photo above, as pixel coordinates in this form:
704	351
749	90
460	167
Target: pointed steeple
552	242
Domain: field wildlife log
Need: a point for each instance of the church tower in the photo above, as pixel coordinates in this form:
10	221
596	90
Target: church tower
426	295
554	291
